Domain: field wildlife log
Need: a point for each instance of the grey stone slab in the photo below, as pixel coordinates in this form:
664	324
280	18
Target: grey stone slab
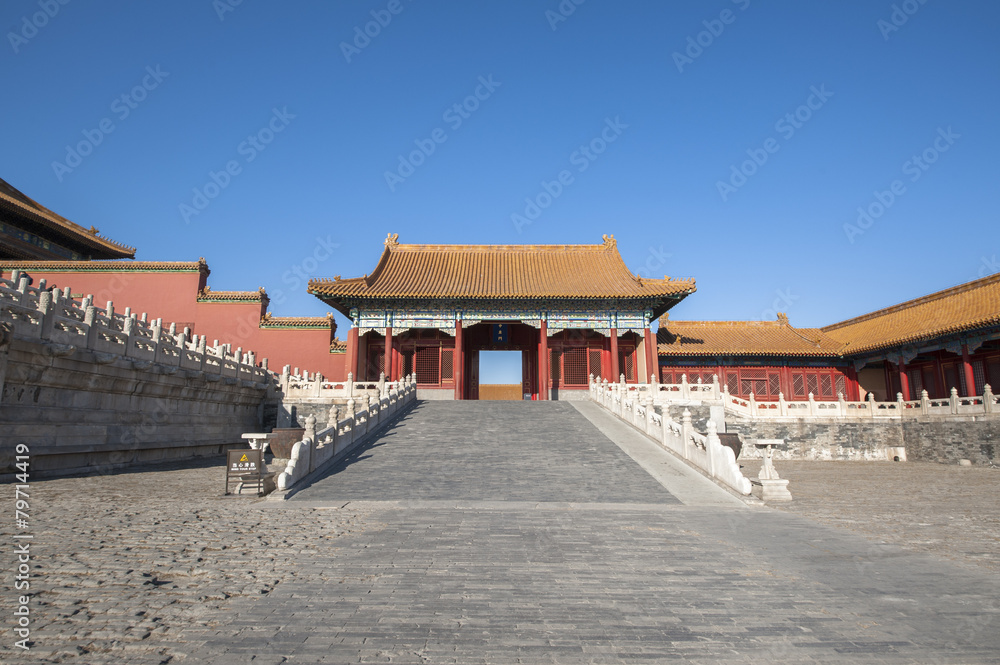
499	451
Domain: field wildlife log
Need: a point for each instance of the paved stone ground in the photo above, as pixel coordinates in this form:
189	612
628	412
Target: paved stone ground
947	510
482	567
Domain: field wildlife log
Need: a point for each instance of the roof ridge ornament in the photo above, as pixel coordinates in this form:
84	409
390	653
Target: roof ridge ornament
392	240
609	241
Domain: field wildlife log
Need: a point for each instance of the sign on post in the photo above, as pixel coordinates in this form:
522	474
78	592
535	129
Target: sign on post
245	465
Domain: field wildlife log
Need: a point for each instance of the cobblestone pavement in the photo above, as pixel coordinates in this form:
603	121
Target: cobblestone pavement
155	566
950	511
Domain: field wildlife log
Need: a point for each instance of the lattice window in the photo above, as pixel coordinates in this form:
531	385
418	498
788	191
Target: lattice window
798	385
812	384
826	386
733	383
447	364
916	383
626	364
774	383
978	376
376	363
427	365
407	362
555	371
993	370
842	385
951	379
930	384
575	367
595	363
753	381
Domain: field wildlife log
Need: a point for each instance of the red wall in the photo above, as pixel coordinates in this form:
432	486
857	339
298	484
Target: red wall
170	296
173	296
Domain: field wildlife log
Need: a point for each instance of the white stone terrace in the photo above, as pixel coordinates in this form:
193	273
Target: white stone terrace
66	324
662	393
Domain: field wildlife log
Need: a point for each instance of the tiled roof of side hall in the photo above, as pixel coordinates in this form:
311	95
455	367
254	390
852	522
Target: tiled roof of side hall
232	296
500	272
106	266
964	307
270	321
24	206
741	338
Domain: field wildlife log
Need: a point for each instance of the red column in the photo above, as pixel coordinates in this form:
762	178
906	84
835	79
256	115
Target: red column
650	354
970	378
904	381
387	363
352	352
543	362
786	382
459	359
615	371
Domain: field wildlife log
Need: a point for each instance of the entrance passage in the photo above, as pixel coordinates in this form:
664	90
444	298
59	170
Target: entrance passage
500	375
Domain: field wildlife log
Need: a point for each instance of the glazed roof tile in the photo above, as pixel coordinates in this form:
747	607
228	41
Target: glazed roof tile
270	321
968	306
207	294
741	338
500	272
19	203
107	266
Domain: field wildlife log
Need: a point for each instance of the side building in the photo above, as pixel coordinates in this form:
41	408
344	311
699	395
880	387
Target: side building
949	339
29	230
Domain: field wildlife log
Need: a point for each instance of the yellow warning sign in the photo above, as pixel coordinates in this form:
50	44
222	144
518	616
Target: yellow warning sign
244	458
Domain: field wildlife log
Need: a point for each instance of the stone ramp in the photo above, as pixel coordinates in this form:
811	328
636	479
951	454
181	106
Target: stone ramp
490	451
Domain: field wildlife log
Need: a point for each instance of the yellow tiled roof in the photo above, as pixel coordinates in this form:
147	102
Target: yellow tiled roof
965	307
106	266
270	321
19	203
207	294
741	338
500	272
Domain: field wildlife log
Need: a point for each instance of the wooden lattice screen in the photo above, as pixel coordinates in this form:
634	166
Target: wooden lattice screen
427	363
595	363
447	364
575	367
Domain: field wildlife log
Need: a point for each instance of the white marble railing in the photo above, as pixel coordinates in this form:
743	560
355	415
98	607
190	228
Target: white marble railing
306	385
954	405
664	393
58	319
706	452
359	421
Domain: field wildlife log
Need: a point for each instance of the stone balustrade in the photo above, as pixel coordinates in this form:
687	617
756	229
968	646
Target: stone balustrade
750	407
635	405
363	418
954	405
66	324
315	385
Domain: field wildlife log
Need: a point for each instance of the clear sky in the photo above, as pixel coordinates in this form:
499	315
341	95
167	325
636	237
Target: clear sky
729	141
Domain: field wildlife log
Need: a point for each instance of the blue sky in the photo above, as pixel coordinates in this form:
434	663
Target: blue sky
729	141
